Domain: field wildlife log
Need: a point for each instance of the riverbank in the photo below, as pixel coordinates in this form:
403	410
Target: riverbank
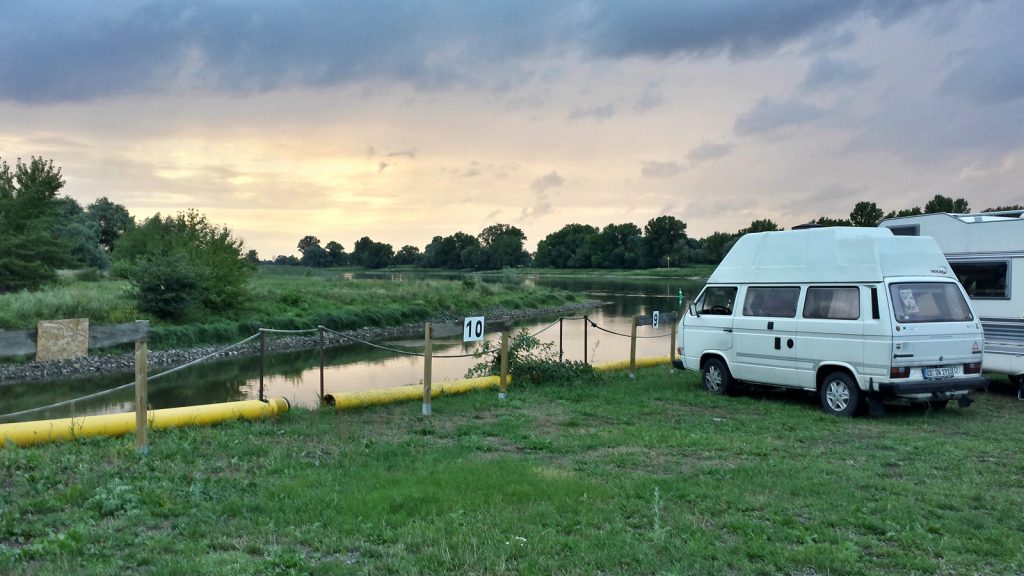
33	371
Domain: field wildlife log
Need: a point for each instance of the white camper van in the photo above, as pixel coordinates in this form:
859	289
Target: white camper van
856	315
986	252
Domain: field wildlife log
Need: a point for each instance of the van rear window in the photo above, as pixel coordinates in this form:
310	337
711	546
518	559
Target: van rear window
929	302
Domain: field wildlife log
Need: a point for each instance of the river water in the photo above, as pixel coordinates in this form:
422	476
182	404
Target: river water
296	375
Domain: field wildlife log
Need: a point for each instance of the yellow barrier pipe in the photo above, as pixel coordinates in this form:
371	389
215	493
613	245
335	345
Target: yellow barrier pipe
31	433
347	400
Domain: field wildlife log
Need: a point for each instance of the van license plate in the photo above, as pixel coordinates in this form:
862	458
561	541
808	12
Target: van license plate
943	372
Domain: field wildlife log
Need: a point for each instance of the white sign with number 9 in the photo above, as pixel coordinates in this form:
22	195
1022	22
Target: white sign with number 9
473	329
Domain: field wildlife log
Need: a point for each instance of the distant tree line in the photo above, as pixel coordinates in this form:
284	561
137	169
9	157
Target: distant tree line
184	266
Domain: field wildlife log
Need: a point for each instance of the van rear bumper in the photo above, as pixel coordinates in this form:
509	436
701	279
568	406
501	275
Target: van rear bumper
933	386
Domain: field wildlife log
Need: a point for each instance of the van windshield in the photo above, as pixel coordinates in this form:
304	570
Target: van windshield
929	302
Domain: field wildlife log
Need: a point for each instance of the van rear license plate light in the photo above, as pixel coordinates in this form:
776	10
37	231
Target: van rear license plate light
972	368
899	372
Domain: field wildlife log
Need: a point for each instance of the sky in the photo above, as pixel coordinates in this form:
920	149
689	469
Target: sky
404	120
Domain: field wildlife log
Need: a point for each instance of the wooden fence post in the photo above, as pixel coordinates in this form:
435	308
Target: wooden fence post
632	351
141	396
321	401
263	359
503	379
427	357
560	339
586	322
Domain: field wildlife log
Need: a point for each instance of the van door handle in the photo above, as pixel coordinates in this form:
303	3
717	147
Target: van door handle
726	329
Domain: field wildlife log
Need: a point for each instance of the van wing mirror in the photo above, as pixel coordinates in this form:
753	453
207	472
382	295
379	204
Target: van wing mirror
693	309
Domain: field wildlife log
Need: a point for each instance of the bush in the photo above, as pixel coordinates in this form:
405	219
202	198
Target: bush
180	263
531	361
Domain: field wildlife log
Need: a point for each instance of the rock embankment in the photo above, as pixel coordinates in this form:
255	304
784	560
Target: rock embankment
33	371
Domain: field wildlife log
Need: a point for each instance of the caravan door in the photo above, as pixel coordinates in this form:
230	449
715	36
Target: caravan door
765	335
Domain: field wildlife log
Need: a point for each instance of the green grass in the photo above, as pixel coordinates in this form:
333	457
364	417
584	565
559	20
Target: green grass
280	300
644	476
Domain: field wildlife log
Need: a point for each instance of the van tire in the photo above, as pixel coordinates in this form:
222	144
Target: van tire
716	378
840	395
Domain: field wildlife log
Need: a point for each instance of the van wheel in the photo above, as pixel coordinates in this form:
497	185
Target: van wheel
938	404
716	377
840	395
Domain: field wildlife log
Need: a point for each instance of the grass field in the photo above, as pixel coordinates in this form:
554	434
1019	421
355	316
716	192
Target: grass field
619	476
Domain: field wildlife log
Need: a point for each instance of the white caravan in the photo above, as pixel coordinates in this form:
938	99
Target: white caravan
986	252
856	315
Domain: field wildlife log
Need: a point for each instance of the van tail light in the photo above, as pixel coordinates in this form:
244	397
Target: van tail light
679	351
899	372
972	368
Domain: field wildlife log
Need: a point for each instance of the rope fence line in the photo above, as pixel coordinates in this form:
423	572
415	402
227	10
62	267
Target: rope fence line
263	331
128	385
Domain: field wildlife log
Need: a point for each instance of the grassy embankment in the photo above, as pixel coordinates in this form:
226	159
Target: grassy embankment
280	298
644	476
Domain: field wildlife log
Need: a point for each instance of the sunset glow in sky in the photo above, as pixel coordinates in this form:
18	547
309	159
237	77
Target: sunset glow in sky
402	120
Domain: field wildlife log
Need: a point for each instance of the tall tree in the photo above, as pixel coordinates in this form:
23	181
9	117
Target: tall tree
569	247
408	255
764	225
337	253
942	203
661	235
827	221
501	246
866	214
33	233
618	246
112	219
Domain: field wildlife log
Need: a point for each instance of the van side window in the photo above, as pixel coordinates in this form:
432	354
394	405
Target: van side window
717	300
983	279
833	303
771	301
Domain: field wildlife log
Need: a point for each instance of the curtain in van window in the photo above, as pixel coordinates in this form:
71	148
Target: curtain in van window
771	301
833	303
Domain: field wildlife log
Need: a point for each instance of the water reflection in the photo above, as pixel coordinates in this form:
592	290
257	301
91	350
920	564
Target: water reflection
296	375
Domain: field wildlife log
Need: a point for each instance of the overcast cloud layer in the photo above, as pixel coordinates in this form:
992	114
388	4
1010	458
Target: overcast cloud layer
402	120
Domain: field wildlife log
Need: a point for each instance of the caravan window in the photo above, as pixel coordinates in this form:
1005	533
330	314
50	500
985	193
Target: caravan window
983	279
833	303
771	301
929	302
716	300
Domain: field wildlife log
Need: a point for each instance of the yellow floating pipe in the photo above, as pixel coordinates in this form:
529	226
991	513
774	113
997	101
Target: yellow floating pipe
31	433
347	400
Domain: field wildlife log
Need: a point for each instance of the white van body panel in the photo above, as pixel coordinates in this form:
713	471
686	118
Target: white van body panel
976	240
832	311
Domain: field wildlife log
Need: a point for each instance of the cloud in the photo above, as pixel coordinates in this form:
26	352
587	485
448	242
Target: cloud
82	51
742	28
661	169
708	151
410	153
597	112
547	182
828	73
769	116
989	74
650	98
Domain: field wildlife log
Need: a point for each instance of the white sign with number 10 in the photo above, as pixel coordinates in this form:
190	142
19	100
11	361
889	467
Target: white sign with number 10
473	329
